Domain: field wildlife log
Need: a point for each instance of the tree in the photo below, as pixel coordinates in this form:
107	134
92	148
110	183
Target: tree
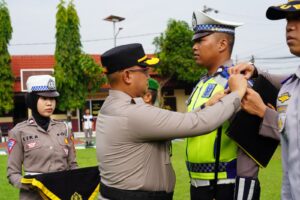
174	49
93	74
7	79
76	74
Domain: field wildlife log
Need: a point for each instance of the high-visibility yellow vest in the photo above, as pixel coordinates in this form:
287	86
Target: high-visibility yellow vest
200	150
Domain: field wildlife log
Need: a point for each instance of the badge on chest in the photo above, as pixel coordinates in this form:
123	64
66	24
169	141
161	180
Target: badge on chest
282	104
284	97
209	90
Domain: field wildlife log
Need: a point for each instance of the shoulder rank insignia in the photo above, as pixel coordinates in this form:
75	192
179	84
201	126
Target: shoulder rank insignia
209	89
284	97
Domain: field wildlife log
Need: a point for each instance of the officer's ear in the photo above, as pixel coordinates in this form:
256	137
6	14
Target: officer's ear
127	77
222	42
223	45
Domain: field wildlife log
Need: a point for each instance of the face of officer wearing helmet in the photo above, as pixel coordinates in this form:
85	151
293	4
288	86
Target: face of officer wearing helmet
41	98
127	69
213	41
213	50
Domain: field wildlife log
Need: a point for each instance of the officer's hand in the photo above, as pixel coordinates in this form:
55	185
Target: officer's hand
253	104
215	98
247	69
237	83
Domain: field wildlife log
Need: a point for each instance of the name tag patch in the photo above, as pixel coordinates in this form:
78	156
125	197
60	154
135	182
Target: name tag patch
209	89
282	108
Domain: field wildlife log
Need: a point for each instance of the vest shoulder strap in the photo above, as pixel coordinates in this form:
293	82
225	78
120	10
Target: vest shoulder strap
221	80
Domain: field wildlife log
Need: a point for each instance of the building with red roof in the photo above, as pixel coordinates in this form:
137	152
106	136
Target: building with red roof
24	66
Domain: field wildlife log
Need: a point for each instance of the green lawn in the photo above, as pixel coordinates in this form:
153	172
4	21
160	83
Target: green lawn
270	177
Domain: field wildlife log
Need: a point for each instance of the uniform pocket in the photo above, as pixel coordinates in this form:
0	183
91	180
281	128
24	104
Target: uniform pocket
64	144
31	145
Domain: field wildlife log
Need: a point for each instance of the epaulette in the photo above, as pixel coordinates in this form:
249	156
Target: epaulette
57	121
222	76
222	71
21	123
19	126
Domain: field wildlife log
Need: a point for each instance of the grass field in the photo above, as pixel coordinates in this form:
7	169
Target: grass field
270	177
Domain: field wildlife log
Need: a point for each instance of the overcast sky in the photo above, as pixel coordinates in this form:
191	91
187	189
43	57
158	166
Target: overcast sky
33	22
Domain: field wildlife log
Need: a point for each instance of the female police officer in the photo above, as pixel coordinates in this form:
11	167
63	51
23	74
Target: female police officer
39	144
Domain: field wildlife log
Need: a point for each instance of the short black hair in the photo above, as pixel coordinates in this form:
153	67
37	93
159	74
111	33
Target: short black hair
231	39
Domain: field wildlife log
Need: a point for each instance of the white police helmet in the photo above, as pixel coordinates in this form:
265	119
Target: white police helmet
204	25
42	85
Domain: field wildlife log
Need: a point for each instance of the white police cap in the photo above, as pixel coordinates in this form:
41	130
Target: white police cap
203	25
42	85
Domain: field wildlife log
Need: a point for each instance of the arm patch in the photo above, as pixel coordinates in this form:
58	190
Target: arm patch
10	145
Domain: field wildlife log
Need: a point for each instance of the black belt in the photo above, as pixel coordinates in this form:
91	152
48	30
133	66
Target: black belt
118	194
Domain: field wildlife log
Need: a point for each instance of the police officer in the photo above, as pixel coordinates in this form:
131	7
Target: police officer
152	93
88	123
131	136
284	122
211	158
40	144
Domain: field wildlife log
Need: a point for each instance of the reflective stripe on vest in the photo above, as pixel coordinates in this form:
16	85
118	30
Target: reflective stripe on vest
205	167
200	153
